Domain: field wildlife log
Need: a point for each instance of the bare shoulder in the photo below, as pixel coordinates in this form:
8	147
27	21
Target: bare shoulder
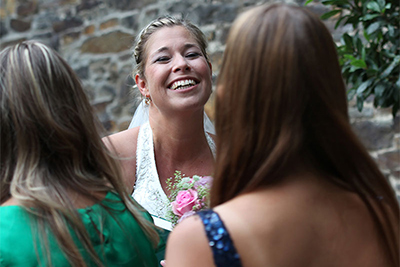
305	223
261	227
122	143
188	246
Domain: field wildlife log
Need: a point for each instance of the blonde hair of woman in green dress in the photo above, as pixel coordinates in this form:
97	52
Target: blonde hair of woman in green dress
53	161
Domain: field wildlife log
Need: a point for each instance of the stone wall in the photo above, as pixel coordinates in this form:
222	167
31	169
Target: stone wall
96	36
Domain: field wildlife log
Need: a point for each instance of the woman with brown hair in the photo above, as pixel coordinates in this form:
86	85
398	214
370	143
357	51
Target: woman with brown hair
293	185
63	202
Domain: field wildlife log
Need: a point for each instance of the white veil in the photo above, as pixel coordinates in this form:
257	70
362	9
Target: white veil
142	115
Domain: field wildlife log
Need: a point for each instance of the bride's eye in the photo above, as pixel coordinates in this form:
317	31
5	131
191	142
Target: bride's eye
162	59
192	54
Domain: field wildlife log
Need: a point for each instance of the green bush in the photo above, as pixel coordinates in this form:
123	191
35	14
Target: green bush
369	55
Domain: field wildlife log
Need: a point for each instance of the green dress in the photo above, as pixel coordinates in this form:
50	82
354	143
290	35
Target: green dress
125	244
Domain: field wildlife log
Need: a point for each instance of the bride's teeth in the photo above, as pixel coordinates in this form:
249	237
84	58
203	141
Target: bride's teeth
183	84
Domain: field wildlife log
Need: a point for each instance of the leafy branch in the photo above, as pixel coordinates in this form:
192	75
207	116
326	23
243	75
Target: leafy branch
370	54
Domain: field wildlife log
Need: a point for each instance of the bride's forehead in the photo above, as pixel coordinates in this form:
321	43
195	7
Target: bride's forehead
170	37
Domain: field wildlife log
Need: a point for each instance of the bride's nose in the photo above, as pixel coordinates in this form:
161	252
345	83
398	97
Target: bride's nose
180	64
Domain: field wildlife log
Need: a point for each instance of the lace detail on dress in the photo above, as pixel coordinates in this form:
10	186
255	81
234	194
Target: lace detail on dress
211	144
148	191
221	244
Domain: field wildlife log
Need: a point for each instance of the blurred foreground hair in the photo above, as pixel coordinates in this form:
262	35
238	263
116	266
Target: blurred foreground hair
51	147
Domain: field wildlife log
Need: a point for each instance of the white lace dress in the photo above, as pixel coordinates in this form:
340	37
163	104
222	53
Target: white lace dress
148	191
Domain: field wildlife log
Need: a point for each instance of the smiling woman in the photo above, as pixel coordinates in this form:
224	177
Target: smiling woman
177	76
174	76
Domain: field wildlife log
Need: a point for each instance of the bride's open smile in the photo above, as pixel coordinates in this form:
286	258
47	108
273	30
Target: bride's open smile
176	73
183	84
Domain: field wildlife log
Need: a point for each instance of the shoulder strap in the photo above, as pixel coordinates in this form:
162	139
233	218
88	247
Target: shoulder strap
221	244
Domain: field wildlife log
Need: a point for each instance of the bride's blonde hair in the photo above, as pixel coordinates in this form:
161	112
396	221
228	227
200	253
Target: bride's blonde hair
51	146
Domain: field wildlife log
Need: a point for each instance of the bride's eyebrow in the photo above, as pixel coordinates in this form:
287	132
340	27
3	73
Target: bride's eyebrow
161	49
164	48
190	45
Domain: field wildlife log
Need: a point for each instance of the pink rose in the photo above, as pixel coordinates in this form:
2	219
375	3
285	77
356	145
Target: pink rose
184	202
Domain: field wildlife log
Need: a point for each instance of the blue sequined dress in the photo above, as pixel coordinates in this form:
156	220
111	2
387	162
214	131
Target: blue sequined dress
221	244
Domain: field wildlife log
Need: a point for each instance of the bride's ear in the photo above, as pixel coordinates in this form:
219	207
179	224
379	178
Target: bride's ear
142	85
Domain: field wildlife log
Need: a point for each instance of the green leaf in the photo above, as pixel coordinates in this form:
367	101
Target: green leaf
388	54
378	90
391	31
368	92
381	4
379	101
370	16
330	14
387	98
358	44
373	27
366	36
373	6
371	72
356	79
340	20
363	53
347	41
359	63
360	103
371	62
350	94
362	87
350	57
392	65
353	20
307	2
354	68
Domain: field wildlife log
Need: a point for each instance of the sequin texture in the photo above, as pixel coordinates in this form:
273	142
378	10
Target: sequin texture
221	244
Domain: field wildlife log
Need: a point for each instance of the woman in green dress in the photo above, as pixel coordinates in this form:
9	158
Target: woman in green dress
62	199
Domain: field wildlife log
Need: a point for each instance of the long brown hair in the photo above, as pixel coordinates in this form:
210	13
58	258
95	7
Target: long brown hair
51	146
282	98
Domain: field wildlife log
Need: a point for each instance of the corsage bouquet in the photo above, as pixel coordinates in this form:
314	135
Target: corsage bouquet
187	195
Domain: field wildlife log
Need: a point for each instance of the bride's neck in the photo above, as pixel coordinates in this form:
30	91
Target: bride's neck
179	137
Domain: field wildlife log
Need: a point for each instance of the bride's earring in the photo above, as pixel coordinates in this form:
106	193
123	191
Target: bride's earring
147	100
